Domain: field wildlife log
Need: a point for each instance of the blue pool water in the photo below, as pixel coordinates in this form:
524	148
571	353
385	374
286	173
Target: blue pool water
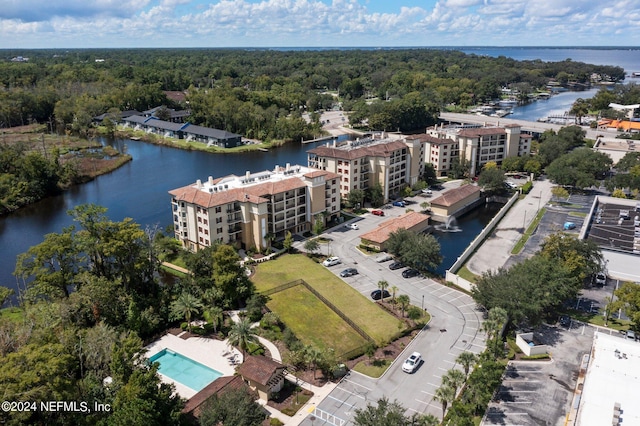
184	370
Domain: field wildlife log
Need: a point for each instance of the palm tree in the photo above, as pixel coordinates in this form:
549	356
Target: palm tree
382	285
312	356
241	335
184	306
455	379
493	326
214	315
404	301
445	395
394	290
466	360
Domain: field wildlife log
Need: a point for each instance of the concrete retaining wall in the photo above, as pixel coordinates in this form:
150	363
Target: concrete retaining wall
451	272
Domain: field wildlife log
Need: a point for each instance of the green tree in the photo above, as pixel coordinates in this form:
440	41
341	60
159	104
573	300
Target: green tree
455	379
318	224
311	245
466	360
382	285
5	293
629	160
288	242
579	168
445	396
418	251
242	335
580	108
618	193
628	299
232	408
355	198
385	413
460	168
581	258
375	195
230	276
494	326
214	315
429	174
185	306
394	290
403	301
559	193
491	179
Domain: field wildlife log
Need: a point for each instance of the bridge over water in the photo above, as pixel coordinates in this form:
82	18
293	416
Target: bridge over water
527	126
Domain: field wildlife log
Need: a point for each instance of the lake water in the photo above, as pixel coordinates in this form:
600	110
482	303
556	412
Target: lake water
140	189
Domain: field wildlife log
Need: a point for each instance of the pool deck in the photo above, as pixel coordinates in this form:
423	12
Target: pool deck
210	352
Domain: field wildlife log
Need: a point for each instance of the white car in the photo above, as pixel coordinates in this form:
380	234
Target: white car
411	363
601	278
383	257
352	226
330	261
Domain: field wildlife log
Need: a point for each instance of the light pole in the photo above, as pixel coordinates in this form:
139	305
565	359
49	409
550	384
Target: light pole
524	222
423	302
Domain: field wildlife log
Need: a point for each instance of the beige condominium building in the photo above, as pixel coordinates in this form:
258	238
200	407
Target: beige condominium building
478	145
249	211
365	162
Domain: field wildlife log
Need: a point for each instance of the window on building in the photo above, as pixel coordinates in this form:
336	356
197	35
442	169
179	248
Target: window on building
218	220
355	178
199	220
206	242
206	231
201	240
219	209
199	228
205	221
219	231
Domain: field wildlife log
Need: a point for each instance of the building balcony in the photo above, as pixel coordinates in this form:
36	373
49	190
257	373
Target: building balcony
234	229
233	208
234	218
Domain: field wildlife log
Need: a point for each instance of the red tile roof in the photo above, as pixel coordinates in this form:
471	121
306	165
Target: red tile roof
372	150
406	221
455	195
201	198
482	131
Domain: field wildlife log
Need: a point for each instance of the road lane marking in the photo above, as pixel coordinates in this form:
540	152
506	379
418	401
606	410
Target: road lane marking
341	401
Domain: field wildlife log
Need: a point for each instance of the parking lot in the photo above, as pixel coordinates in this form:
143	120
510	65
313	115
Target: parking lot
454	328
540	392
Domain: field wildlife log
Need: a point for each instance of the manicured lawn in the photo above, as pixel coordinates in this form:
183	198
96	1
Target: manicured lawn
375	370
532	227
313	322
465	273
377	323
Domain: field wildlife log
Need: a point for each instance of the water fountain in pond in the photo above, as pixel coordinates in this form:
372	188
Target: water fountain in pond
451	225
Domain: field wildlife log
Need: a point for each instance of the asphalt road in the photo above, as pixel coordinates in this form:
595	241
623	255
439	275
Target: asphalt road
454	328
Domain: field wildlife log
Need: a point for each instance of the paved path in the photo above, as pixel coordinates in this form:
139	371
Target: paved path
496	249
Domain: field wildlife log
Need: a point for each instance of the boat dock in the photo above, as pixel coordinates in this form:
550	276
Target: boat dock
320	139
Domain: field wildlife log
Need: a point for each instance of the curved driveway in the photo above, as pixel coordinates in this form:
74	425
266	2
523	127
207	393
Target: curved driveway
454	328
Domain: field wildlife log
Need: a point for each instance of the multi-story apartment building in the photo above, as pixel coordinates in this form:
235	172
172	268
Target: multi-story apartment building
478	145
365	162
248	211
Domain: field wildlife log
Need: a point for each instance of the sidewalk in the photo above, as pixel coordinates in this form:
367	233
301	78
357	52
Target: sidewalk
496	249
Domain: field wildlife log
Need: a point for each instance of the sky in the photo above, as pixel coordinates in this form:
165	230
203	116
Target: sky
317	23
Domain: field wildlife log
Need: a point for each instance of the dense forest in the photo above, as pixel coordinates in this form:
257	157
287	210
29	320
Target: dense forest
263	93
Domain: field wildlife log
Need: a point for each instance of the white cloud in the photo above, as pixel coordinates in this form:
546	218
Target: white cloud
80	23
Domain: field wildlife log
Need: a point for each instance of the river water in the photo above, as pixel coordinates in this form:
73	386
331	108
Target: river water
140	188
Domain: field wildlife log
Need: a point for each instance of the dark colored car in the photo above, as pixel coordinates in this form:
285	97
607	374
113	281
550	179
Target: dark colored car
395	265
377	212
379	294
399	203
349	272
565	320
410	273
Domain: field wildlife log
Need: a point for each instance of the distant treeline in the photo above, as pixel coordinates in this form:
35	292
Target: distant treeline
263	93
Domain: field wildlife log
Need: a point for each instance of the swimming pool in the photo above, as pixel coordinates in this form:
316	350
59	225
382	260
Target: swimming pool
184	370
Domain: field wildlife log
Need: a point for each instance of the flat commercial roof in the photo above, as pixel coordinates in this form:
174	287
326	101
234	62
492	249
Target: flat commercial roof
612	380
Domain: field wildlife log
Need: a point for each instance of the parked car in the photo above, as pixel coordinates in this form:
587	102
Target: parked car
352	226
565	320
410	273
399	203
631	335
383	257
349	272
396	265
330	261
379	294
569	225
427	192
412	363
377	212
601	278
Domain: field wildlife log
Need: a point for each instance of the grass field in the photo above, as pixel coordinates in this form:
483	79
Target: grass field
313	322
377	323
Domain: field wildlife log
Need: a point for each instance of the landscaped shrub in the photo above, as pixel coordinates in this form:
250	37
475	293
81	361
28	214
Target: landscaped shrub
414	313
275	422
534	357
526	188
